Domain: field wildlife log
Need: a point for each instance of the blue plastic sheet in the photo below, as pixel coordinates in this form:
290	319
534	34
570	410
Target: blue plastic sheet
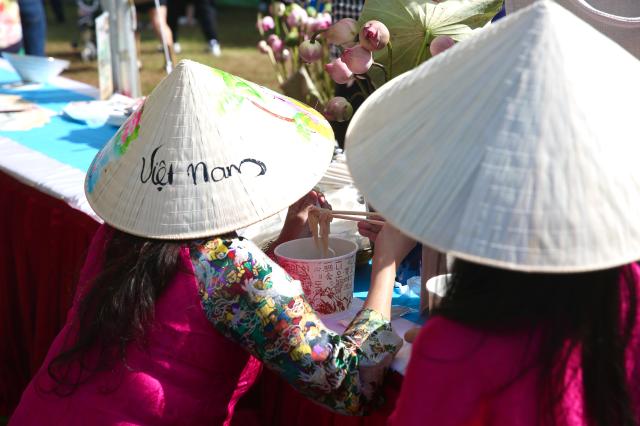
68	141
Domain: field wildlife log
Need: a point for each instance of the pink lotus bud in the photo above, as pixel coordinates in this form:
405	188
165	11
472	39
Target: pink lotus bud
275	42
358	59
440	44
339	71
343	31
263	47
310	25
267	23
277	45
322	24
374	36
277	8
338	109
297	16
310	51
326	18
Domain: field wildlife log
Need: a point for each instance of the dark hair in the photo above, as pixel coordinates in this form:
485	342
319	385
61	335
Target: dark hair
116	309
581	311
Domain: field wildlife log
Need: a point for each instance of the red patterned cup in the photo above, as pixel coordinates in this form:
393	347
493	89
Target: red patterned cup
327	282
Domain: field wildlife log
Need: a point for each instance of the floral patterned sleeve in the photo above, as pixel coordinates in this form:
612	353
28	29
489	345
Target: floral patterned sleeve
254	302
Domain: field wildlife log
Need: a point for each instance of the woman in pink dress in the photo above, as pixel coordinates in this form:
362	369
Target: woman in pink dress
521	164
169	330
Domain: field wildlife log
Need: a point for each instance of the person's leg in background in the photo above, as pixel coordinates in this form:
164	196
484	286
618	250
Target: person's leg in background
58	10
175	9
34	26
158	18
207	16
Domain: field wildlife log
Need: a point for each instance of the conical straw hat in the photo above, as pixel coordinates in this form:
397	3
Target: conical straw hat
207	153
518	148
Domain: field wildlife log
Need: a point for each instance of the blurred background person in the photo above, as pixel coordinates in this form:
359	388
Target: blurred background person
158	17
34	26
10	28
57	7
206	14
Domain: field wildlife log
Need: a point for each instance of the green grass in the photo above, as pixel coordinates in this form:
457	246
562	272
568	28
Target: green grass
238	38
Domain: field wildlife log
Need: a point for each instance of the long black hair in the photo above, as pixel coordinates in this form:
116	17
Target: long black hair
116	309
592	312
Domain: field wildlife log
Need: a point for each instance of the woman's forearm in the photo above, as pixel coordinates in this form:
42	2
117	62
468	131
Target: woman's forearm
383	274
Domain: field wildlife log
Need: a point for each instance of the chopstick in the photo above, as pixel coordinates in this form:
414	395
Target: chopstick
358	219
351	215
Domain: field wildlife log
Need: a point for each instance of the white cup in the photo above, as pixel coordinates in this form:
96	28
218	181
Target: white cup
327	282
437	288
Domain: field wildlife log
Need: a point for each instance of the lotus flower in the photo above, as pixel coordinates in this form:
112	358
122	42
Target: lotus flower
374	36
358	59
343	31
326	19
277	8
338	109
321	25
267	23
297	16
310	51
275	42
339	71
440	44
263	47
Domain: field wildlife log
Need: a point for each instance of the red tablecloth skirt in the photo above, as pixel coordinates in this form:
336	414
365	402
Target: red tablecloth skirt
43	245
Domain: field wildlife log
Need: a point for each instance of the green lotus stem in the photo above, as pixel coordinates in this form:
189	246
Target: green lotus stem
278	29
260	26
322	96
370	85
355	96
423	48
383	68
316	35
363	89
295	66
327	79
275	65
390	54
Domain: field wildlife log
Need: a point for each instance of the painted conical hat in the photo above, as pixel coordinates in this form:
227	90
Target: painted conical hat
518	148
207	153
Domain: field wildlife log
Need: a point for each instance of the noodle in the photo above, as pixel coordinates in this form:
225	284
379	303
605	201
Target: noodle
319	223
313	226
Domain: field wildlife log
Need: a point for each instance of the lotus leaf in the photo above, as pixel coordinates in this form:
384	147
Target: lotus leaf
414	23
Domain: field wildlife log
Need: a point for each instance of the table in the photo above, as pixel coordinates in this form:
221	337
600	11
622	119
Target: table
46	230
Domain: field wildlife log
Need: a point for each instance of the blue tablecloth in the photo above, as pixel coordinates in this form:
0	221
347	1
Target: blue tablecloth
75	144
68	141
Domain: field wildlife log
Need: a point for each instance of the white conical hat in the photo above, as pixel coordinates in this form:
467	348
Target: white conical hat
518	148
206	154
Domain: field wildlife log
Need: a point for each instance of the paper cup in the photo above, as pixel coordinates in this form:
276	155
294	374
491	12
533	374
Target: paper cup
327	282
437	287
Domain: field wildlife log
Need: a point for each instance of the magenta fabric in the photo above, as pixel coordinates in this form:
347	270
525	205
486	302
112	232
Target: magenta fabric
458	376
187	374
43	243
